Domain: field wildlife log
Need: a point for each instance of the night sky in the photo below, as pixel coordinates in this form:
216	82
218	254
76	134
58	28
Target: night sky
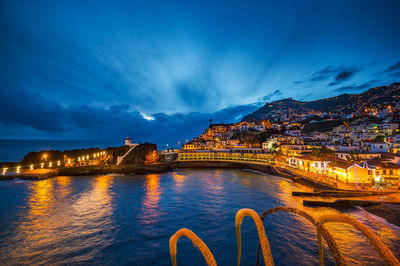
159	70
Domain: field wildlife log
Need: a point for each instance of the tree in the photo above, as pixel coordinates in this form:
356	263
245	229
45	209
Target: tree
322	154
354	158
325	153
379	138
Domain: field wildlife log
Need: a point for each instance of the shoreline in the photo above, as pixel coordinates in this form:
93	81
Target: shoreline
169	166
162	167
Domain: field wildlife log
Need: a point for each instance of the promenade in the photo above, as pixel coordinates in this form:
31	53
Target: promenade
268	159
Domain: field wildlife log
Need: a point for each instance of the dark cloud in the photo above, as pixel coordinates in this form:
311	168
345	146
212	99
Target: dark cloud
28	111
340	74
357	88
392	68
323	74
26	108
395	74
271	96
344	74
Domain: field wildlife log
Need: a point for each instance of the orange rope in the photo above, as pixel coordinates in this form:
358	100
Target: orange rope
382	249
197	242
339	259
261	234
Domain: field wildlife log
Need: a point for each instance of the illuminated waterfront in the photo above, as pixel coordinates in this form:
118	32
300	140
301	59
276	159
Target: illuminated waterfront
129	219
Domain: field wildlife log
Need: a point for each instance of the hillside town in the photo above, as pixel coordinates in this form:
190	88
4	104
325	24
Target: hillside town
333	145
358	150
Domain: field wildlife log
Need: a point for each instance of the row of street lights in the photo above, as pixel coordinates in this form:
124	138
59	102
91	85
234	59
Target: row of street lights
18	168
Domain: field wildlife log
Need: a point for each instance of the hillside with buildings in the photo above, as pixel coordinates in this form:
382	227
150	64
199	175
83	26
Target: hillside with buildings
373	101
348	141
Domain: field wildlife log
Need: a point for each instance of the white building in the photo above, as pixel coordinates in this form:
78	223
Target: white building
379	147
128	142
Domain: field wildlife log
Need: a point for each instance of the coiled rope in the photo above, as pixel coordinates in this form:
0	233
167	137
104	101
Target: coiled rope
382	249
384	252
261	234
339	259
197	242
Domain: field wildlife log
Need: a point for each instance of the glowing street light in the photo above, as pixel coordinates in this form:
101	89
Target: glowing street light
31	167
18	169
50	163
45	156
5	170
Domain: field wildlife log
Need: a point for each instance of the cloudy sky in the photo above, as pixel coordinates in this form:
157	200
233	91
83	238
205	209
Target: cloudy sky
158	70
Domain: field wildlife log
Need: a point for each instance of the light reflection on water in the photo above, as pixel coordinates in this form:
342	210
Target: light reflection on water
150	206
129	219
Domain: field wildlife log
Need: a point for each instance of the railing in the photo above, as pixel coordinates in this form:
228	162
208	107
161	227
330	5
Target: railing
316	177
214	156
121	158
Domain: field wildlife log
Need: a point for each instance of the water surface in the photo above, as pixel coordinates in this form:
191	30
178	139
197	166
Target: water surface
128	220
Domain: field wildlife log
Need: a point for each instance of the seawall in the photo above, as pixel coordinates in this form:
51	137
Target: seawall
167	166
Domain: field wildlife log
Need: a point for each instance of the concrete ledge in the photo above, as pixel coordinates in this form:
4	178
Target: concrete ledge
341	193
340	203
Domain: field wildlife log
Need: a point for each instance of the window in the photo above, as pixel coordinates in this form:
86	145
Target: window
369	172
391	172
384	172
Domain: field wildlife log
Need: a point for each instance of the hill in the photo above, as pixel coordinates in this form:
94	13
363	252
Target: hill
377	97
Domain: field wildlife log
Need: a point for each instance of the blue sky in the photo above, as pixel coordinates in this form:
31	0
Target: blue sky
158	70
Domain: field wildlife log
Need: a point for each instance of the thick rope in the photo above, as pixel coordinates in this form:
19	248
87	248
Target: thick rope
261	234
382	249
339	259
197	242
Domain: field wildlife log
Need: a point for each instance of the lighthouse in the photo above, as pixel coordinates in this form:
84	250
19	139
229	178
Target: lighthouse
128	141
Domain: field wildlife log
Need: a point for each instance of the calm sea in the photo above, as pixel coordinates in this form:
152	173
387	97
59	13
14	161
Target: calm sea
128	220
15	150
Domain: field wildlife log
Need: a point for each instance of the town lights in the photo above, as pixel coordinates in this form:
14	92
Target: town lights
87	157
50	163
31	167
69	161
18	169
58	163
79	159
41	165
5	170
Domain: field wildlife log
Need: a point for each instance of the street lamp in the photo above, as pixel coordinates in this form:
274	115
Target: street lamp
45	156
